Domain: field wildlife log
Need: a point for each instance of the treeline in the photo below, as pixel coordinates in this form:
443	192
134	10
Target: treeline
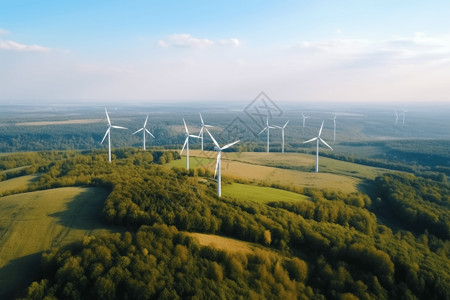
347	254
161	262
420	204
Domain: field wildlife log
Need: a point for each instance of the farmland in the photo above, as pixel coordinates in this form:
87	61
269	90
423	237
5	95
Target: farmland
34	222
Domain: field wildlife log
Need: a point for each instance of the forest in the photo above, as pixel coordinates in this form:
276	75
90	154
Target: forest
335	245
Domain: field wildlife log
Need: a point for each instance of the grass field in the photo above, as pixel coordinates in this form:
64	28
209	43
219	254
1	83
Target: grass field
21	182
260	194
34	222
222	243
250	170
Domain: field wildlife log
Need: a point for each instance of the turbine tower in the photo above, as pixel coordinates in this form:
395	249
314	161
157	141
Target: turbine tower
186	144
218	163
404	114
318	138
144	130
334	132
304	119
202	131
282	135
108	133
267	128
396	117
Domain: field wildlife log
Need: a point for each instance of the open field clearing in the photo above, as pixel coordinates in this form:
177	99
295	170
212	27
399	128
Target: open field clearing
260	194
34	222
223	243
283	176
21	182
43	123
14	169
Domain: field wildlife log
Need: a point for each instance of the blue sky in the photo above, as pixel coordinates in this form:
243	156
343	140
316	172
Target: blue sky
153	51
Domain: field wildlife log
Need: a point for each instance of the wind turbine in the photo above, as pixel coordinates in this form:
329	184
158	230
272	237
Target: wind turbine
282	135
396	118
318	138
404	114
267	128
334	132
143	129
108	133
202	131
304	119
218	163
186	144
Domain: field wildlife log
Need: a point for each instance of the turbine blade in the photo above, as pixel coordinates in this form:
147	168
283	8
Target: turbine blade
229	145
138	131
262	130
185	127
313	139
107	131
271	127
194	136
321	127
286	124
109	122
217	163
210	126
278	127
325	143
203	123
185	142
119	127
149	133
145	123
214	141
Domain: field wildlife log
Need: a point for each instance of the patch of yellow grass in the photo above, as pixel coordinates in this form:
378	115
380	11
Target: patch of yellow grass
21	182
222	243
43	123
34	222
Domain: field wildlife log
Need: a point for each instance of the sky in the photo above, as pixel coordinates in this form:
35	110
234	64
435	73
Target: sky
379	51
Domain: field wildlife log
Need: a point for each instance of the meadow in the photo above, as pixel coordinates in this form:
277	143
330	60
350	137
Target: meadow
245	192
31	223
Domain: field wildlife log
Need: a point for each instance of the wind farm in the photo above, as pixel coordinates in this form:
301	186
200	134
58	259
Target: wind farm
295	150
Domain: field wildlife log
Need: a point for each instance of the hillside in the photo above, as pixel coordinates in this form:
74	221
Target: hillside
31	223
307	243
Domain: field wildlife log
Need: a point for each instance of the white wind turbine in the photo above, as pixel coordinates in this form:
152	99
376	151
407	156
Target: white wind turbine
144	130
202	131
318	138
108	133
218	163
267	128
334	124
304	119
404	111
282	135
186	144
396	117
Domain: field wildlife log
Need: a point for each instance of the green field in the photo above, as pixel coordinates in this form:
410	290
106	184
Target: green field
16	183
34	222
260	194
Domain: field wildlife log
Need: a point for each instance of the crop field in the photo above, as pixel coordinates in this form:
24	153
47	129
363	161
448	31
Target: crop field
34	222
245	192
21	182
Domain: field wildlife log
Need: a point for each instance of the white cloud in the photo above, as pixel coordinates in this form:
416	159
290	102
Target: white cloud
14	46
188	41
3	32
